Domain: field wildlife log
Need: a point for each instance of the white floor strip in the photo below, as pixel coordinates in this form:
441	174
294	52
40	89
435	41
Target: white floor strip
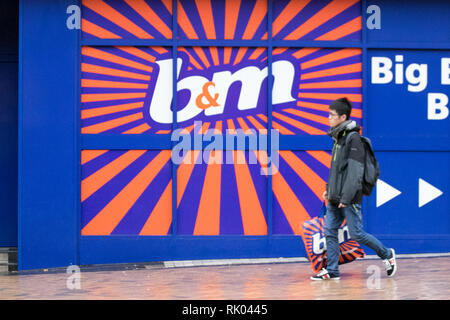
226	262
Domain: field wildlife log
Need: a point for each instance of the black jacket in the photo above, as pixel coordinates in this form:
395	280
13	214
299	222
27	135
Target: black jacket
347	166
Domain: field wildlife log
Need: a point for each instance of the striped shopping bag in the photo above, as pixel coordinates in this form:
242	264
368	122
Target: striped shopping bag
315	244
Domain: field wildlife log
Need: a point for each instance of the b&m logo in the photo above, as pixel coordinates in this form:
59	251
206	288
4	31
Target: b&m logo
223	91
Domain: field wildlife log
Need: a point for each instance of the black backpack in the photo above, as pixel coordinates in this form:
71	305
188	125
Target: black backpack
371	166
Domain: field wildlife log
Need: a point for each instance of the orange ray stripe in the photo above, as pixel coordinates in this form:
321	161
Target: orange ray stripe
231	14
108	218
99	54
231	127
240	55
204	127
191	59
243	125
208	215
89	113
331	96
315	106
309	177
184	23
322	157
97	31
168	5
334	56
163	131
357	113
202	56
103	126
226	55
218	128
138	53
257	125
253	220
184	172
258	14
342	31
309	116
88	155
160	219
292	208
85	67
159	50
356	67
304	52
278	51
206	16
91	83
257	53
142	8
298	124
276	125
139	129
116	17
99	178
91	97
331	10
357	83
288	13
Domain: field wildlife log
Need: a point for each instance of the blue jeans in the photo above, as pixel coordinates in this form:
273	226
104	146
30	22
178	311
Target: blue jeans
352	214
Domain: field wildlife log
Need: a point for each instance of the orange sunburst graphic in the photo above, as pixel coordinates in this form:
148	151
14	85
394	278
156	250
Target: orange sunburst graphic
128	90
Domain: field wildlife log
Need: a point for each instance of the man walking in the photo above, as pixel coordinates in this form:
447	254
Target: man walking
344	192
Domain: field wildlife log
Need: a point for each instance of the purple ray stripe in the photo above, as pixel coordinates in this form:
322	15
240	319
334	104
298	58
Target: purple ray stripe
280	224
345	76
103	77
309	200
259	181
218	9
193	15
187	210
195	56
108	103
344	91
98	200
137	19
99	162
335	22
356	105
230	210
95	90
108	117
317	112
334	64
123	128
104	23
320	169
123	54
308	11
112	65
304	120
245	12
136	217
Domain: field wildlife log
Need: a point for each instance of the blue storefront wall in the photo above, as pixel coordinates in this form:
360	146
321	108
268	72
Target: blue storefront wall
54	135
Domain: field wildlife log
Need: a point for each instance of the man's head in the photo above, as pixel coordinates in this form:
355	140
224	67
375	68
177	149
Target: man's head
340	110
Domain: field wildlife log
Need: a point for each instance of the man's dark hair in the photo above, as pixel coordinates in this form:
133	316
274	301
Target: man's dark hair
342	106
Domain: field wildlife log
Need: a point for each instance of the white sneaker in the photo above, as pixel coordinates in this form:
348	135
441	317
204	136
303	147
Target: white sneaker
391	265
324	275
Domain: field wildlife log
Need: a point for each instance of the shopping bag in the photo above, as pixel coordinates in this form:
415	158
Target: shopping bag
315	243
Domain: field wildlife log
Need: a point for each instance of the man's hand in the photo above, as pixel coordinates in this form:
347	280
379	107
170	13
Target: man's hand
325	195
341	205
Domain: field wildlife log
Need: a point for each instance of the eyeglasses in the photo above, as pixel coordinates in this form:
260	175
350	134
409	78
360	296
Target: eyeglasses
332	115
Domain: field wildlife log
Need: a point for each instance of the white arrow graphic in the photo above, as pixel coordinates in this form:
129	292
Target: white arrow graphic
427	192
385	192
